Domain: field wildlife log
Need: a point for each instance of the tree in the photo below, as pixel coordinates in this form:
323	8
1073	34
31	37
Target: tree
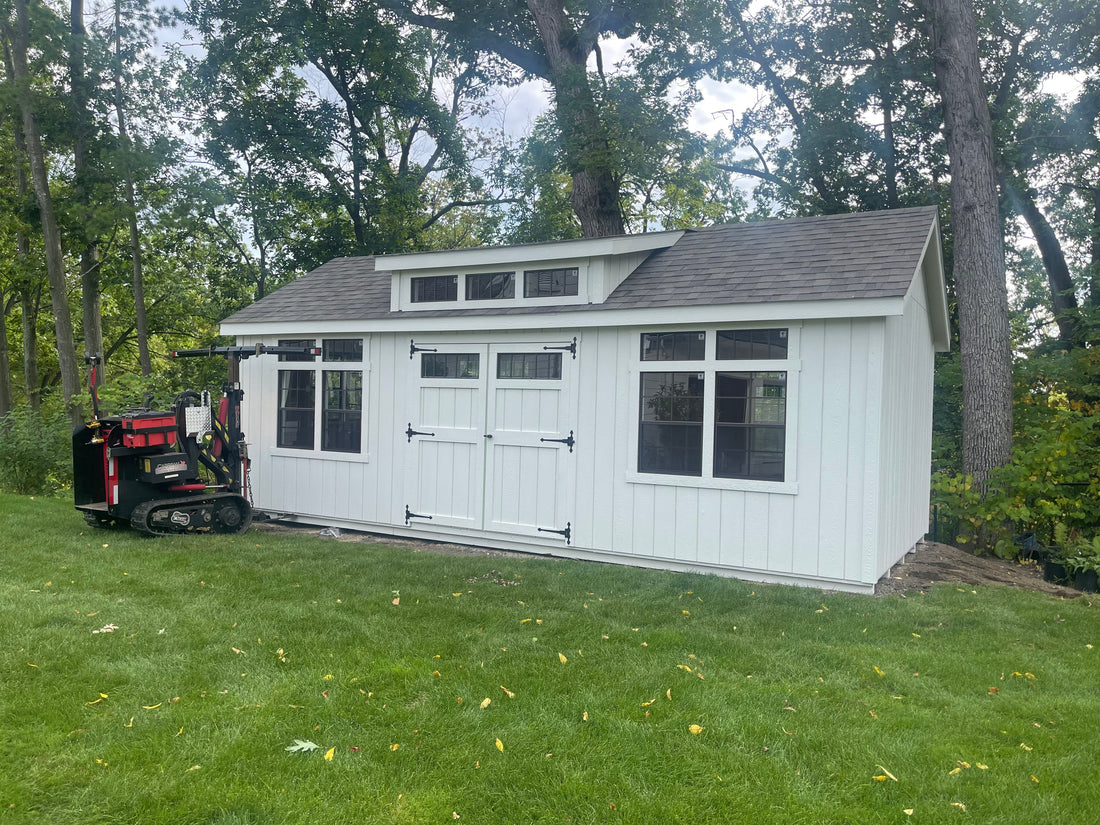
979	271
17	34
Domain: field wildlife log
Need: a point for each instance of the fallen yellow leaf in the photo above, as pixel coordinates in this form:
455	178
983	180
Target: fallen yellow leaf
879	672
329	754
908	811
562	659
394	746
500	746
696	729
486	702
129	724
668	694
959	805
1035	779
585	716
879	778
507	692
152	707
881	768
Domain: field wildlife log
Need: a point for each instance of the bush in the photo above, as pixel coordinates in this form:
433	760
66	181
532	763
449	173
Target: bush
35	452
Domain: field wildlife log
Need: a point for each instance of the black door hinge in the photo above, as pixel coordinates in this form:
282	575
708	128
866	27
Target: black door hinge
409	514
414	349
569	442
567	532
410	432
570	347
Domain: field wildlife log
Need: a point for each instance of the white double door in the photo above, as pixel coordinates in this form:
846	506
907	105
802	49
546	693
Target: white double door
491	437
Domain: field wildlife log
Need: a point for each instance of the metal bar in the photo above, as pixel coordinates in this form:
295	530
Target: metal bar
414	349
568	347
410	432
409	514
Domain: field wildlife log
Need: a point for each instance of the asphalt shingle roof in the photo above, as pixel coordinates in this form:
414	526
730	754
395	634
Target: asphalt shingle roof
835	257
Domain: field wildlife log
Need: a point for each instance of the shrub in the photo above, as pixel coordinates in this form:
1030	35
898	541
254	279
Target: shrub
35	451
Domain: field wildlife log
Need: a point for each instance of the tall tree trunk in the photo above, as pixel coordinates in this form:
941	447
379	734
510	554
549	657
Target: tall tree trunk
1063	298
6	396
979	266
141	325
1094	251
587	147
28	305
19	37
82	138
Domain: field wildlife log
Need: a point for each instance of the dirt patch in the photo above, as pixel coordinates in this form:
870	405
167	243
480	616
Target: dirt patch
933	563
930	563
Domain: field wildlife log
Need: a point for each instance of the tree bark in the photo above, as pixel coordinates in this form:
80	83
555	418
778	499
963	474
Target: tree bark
28	306
82	138
7	401
1063	298
140	323
1094	251
586	146
979	267
19	38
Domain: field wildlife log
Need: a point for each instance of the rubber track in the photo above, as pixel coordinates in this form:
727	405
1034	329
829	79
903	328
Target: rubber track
140	517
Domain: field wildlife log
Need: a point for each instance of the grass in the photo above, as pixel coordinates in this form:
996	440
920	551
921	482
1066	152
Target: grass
980	702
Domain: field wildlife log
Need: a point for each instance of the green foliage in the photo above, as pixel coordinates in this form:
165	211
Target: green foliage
35	451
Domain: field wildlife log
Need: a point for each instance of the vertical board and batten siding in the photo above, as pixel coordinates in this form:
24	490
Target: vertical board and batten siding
906	430
855	397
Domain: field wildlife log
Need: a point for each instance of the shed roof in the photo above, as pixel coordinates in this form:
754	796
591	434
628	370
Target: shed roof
829	258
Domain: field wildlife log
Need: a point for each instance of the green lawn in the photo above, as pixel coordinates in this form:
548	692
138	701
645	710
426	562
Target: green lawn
956	705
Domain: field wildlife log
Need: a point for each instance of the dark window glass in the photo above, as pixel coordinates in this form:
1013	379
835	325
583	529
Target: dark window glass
450	365
670	433
296	405
750	419
342	424
342	349
488	286
752	344
673	346
550	283
298	342
435	288
536	365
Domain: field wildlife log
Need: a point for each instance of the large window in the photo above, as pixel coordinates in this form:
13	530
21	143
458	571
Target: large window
333	395
296	399
539	366
750	414
729	383
450	365
342	425
670	436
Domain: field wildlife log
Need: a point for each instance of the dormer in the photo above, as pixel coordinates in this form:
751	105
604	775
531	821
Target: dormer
582	271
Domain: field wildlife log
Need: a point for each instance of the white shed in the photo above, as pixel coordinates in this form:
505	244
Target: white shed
753	400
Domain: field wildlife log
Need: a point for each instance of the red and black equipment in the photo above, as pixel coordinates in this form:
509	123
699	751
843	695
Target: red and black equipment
144	467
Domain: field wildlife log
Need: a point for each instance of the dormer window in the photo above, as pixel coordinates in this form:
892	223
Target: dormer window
550	283
490	286
434	288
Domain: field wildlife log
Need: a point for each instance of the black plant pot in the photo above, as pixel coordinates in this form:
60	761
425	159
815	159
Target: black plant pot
1086	580
1055	571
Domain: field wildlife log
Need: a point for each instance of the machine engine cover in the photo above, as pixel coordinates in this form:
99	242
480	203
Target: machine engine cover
164	468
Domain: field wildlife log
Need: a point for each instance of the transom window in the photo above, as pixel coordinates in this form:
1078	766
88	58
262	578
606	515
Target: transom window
450	365
338	405
550	283
342	349
673	346
490	286
434	288
297	342
542	366
744	410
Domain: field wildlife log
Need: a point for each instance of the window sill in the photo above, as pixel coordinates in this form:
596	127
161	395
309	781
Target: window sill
324	455
787	488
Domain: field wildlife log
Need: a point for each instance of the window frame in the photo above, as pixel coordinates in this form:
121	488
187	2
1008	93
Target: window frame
340	361
710	366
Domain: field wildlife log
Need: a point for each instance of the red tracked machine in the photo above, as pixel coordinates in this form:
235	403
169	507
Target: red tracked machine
144	467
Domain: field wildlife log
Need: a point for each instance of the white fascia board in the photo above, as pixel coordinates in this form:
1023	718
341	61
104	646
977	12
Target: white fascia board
931	269
528	253
644	316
